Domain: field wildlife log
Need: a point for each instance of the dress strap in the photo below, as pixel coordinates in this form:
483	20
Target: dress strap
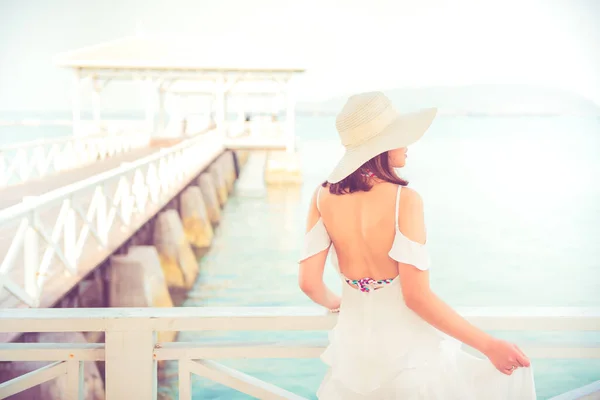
318	197
397	206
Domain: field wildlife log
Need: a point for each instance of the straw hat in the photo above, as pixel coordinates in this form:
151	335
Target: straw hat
369	125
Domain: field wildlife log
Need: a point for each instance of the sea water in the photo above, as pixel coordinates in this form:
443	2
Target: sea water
512	208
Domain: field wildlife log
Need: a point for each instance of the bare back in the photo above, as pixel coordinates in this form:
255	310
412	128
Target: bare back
362	228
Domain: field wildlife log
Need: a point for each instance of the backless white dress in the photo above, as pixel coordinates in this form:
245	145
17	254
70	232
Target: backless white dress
380	349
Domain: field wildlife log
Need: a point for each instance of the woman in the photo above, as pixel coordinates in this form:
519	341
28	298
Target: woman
394	339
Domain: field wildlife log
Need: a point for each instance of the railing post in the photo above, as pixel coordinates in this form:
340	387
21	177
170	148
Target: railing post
126	200
130	367
70	235
75	380
31	250
101	214
185	380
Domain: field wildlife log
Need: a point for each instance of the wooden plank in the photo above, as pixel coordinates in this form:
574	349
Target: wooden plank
241	382
32	379
561	351
271	318
587	392
313	349
165	319
51	351
225	350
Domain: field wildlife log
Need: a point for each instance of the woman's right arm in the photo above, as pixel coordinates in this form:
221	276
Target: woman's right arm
419	297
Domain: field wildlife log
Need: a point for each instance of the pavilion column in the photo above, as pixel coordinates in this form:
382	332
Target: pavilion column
220	102
241	108
290	118
176	111
96	101
76	102
162	94
150	95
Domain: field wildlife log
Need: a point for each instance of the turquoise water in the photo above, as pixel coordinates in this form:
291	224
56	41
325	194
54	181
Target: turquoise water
513	219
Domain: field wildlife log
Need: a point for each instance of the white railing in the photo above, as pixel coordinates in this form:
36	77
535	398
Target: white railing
21	162
88	220
131	351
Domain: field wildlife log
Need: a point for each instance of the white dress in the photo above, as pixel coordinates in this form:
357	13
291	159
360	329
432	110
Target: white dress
380	349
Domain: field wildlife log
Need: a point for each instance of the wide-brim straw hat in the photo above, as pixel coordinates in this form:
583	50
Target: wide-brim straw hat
368	125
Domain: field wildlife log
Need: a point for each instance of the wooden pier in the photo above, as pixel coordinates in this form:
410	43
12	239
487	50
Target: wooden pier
104	220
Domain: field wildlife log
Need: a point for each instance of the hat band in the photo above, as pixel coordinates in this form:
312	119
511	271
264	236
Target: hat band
360	134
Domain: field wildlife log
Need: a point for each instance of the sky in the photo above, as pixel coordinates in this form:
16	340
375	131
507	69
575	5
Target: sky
346	45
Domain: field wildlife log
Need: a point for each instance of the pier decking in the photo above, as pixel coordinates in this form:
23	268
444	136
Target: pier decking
93	217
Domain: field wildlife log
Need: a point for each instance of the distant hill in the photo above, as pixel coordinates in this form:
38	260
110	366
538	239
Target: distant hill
477	100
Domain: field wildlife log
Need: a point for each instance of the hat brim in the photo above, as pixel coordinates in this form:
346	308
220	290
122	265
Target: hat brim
402	132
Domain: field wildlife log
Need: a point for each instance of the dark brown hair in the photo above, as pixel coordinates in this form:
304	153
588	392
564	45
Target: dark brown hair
357	181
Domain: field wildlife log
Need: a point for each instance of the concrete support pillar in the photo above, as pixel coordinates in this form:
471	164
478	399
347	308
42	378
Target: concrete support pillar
178	262
196	223
137	280
283	168
211	199
220	183
242	157
227	165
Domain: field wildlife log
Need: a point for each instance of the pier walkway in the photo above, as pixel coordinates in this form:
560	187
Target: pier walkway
21	163
68	204
14	194
50	242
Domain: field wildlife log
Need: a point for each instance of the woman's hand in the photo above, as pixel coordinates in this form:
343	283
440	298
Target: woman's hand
506	356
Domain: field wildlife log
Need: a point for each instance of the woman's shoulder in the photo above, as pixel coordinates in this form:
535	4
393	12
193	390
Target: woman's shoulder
410	196
317	195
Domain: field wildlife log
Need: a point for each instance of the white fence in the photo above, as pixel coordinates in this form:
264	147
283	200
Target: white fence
131	352
22	162
75	226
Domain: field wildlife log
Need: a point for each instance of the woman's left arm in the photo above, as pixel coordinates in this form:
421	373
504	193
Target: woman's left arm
310	277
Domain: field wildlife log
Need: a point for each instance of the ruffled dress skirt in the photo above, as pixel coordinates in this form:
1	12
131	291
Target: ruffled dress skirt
380	349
